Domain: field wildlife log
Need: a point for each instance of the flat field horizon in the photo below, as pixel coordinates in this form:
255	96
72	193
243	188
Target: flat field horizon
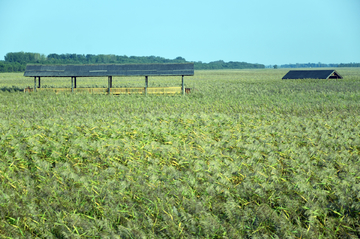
245	154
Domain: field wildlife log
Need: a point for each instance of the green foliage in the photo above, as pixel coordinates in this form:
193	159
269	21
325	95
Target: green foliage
24	57
11	67
319	64
245	155
349	64
16	61
215	65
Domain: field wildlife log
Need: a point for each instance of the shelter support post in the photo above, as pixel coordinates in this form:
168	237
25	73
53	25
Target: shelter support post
146	85
35	84
109	83
74	81
39	85
182	85
72	84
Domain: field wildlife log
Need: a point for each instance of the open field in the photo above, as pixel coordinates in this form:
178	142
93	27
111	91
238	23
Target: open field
246	154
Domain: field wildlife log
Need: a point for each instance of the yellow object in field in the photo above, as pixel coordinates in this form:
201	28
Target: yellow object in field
113	91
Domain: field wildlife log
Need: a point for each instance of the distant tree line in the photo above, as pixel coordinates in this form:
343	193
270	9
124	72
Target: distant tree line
349	65
315	65
16	61
11	66
226	65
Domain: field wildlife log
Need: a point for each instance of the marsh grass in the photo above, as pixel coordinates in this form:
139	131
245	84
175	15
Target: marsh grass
246	154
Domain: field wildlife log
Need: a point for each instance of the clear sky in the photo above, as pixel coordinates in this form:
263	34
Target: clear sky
254	31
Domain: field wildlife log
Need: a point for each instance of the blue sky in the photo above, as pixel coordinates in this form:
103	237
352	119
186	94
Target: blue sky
256	31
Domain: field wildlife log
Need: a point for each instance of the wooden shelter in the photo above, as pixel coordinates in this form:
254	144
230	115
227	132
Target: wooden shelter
312	74
109	70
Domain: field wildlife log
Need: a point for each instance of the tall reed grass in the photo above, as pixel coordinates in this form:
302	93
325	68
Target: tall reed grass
246	154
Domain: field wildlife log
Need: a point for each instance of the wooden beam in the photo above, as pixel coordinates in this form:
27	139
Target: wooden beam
182	85
72	84
34	83
146	85
109	84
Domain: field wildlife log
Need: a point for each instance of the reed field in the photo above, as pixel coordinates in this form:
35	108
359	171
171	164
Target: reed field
244	155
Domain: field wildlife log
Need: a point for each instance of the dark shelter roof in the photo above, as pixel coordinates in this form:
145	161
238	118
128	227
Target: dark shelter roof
168	69
312	74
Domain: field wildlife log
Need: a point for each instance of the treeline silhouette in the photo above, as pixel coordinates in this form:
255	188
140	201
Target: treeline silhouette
16	61
315	65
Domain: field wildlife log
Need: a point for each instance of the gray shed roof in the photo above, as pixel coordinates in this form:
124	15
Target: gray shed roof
169	69
312	74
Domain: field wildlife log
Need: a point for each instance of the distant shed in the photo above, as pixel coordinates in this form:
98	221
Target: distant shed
312	74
